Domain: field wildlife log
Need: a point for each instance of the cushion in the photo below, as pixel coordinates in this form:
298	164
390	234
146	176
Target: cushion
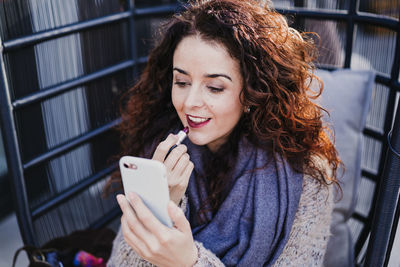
346	96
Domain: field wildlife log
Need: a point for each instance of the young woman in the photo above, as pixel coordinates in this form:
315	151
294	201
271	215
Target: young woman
251	184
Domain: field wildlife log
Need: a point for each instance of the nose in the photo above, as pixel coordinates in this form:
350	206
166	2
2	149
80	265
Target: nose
194	97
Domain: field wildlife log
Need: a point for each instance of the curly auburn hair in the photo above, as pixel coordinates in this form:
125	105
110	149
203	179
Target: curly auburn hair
276	66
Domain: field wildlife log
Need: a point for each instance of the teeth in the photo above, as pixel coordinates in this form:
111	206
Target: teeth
197	120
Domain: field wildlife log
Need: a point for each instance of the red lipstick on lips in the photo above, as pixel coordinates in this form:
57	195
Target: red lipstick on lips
194	124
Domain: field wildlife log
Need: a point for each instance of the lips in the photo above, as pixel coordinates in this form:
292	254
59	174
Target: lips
197	122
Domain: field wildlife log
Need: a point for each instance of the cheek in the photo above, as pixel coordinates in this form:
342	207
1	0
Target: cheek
226	108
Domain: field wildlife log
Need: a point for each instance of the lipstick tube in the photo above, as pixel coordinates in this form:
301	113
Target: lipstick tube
181	136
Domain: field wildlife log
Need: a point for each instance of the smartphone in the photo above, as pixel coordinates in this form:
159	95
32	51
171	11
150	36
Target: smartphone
148	179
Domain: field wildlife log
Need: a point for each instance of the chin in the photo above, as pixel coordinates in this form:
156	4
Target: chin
197	141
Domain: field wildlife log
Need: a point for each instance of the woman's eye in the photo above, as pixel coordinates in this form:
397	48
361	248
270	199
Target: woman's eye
181	84
215	89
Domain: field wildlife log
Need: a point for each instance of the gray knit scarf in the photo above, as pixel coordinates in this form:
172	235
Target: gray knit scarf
252	225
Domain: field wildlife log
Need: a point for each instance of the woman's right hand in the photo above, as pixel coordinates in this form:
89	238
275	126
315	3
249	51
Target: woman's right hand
178	165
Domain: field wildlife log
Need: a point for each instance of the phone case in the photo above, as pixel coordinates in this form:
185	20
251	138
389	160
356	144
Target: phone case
147	178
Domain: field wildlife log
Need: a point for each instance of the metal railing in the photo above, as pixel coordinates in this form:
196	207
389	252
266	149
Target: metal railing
17	167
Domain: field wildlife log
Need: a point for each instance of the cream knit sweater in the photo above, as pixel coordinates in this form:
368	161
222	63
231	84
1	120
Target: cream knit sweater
306	245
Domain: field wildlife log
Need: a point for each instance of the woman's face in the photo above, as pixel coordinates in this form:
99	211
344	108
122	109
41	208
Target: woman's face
206	90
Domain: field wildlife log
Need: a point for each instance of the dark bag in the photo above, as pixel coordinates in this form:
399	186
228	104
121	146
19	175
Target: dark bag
61	251
39	257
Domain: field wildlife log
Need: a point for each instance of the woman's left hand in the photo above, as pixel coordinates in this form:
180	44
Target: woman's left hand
152	240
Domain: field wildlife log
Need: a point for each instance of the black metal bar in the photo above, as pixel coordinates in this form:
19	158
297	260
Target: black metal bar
386	203
396	86
396	60
377	20
60	88
70	145
362	238
350	32
373	133
13	156
71	192
369	175
343	15
62	31
360	217
383	79
393	232
106	219
320	14
157	10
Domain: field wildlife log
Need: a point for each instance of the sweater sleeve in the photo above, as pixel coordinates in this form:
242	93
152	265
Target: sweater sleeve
311	227
122	255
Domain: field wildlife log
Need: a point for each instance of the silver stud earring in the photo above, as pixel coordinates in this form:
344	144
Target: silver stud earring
247	109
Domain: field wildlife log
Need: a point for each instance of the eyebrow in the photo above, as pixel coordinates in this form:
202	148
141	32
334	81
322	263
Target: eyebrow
215	75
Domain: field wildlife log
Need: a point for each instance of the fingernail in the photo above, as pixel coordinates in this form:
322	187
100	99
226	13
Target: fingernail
133	196
118	199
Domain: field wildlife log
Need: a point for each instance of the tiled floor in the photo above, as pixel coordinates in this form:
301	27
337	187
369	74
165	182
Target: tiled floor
11	241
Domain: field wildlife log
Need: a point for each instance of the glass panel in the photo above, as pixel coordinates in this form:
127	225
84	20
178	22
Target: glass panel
373	48
75	214
378	106
331	42
365	195
60	60
313	4
21	17
51	178
371	153
389	8
56	120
